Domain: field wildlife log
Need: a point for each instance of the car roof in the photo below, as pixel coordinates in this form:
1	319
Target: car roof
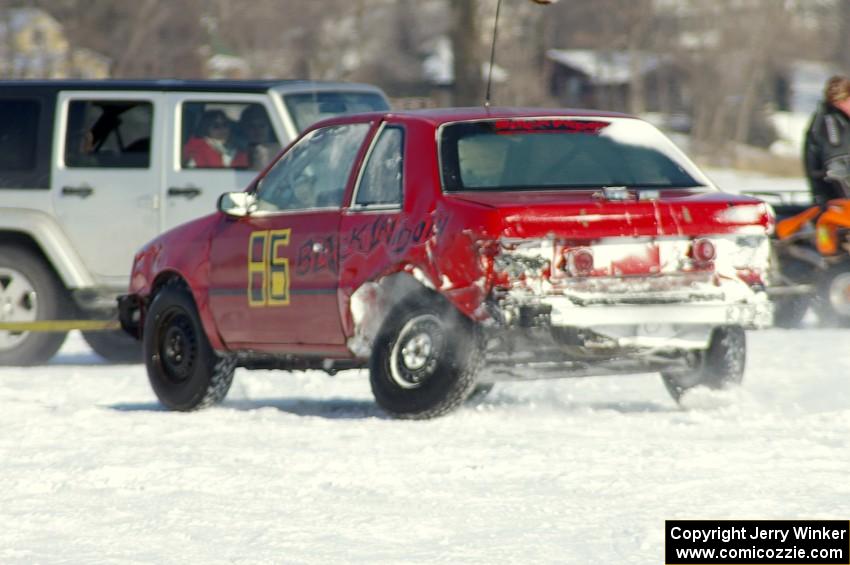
443	115
438	116
180	85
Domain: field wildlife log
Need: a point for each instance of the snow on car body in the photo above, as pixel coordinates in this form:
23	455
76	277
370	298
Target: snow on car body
446	249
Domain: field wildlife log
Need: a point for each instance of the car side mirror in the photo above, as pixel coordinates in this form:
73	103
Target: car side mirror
237	204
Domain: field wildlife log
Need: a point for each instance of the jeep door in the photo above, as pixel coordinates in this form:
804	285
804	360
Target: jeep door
274	274
107	159
217	143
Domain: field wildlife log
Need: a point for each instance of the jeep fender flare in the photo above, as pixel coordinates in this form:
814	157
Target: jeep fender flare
40	229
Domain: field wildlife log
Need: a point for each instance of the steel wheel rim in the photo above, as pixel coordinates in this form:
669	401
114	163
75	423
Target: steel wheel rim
177	346
839	294
18	303
416	352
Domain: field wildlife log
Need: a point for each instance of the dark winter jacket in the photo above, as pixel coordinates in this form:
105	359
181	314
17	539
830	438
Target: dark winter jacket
827	149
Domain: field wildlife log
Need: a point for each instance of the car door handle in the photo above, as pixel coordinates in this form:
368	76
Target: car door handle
184	191
81	191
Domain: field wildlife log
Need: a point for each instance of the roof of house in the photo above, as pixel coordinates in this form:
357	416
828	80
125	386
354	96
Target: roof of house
603	67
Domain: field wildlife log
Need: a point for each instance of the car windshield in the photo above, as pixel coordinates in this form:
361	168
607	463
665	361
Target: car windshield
562	153
308	108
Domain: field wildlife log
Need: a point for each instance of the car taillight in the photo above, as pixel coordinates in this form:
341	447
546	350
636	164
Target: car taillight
580	262
703	251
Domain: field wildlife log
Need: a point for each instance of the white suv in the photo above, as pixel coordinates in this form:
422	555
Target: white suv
89	171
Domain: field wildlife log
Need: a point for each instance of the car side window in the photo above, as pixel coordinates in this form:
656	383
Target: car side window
314	172
109	134
381	182
226	135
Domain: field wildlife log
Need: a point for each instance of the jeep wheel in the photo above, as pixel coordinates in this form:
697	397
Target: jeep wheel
29	292
183	369
424	360
115	346
720	366
833	301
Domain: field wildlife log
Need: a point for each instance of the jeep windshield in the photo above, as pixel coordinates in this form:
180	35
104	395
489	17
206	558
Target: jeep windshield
308	108
562	153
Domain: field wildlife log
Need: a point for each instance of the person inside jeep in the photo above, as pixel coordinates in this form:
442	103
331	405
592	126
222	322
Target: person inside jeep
257	136
211	146
827	146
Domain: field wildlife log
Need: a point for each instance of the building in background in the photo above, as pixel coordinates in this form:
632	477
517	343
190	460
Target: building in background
587	78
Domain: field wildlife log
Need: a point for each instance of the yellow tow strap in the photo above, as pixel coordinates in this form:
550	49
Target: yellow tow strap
60	325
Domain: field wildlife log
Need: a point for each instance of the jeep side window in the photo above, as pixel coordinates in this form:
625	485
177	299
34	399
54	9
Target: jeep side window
226	135
313	174
108	134
18	135
381	181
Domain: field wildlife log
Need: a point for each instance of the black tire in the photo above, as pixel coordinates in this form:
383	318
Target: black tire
789	311
833	297
479	393
184	370
29	291
115	346
424	360
720	366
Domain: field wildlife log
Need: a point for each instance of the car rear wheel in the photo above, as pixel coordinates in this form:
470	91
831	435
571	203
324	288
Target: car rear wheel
29	292
479	393
184	371
720	366
424	360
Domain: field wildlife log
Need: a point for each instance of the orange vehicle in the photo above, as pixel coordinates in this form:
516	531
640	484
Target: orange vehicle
811	253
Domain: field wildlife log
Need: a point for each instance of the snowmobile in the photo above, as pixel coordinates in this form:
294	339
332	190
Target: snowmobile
811	263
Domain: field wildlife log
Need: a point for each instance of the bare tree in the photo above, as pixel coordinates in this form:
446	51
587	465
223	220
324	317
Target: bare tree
466	50
143	39
640	13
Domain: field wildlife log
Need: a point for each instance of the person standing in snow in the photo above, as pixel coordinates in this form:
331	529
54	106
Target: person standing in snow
827	146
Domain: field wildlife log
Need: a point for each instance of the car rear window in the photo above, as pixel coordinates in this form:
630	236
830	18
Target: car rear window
561	153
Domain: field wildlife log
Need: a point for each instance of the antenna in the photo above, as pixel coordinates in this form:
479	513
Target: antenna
492	55
493	47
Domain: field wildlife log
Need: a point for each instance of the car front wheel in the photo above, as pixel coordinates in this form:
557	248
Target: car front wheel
720	366
424	360
183	369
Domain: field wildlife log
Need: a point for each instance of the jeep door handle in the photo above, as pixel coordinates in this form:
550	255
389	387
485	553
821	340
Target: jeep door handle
81	191
184	191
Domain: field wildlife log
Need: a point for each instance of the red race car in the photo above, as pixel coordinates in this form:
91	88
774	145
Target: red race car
448	249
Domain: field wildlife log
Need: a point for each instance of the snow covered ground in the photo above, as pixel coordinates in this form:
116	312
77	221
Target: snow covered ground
303	468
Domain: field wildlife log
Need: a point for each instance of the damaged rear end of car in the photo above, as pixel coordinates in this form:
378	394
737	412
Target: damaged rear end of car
605	251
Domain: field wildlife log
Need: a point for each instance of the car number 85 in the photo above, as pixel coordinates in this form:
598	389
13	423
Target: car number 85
268	270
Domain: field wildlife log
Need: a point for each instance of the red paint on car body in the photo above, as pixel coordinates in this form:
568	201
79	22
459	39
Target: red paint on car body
446	241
